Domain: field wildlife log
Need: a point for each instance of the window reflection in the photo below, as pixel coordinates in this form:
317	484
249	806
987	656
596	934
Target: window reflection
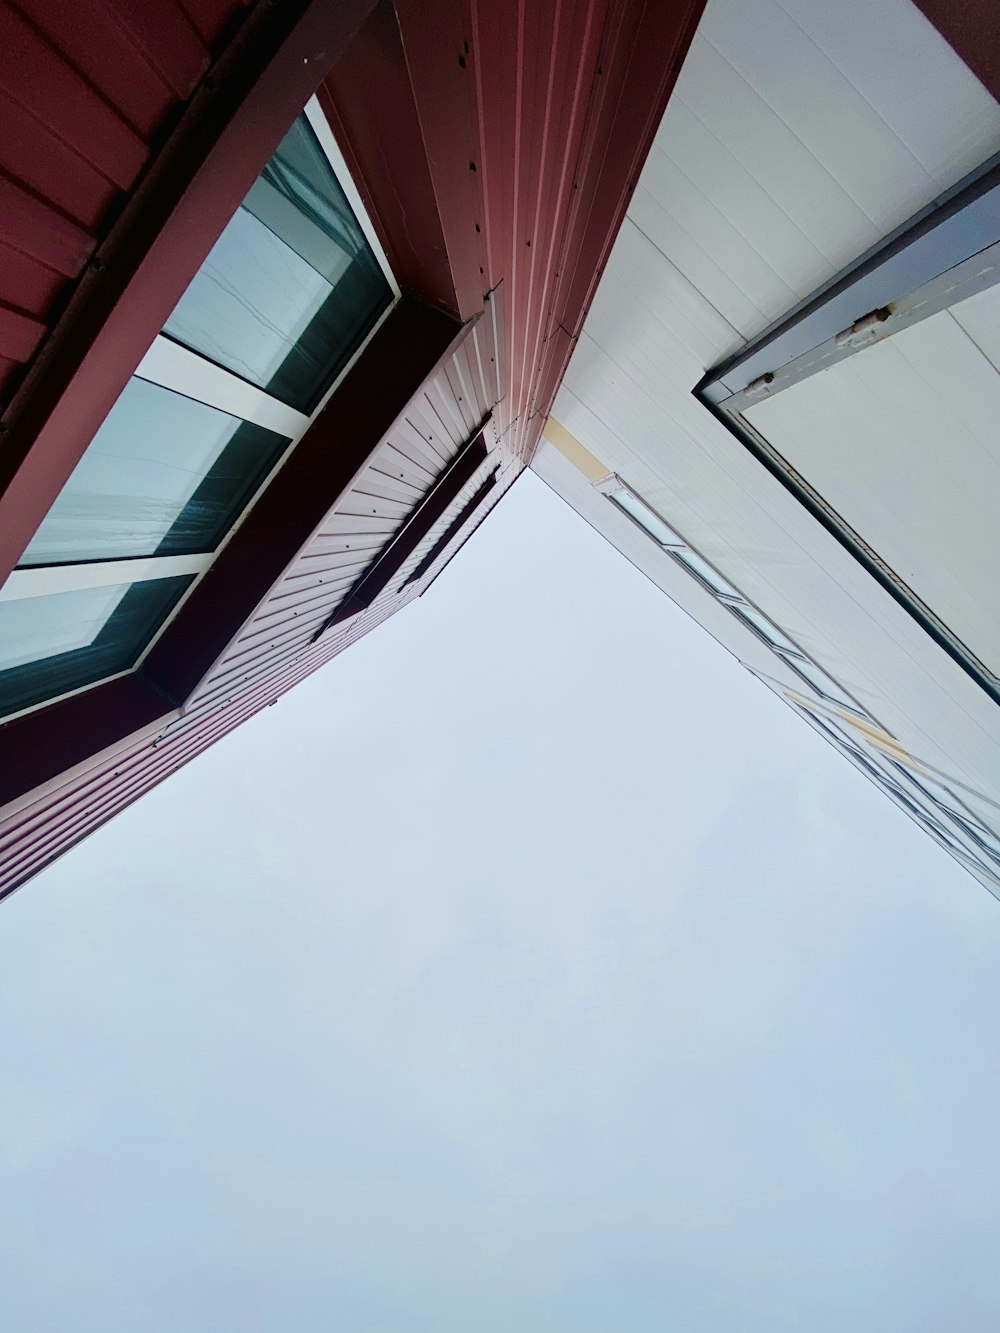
705	573
164	475
51	645
292	286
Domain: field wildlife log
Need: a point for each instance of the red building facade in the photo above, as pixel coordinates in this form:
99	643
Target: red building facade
456	180
309	272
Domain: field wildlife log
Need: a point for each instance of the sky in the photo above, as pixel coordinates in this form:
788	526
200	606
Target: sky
530	969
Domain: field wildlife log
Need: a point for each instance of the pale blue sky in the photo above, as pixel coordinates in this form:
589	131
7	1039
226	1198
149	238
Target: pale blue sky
529	970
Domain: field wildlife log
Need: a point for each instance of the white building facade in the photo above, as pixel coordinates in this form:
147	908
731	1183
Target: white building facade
784	407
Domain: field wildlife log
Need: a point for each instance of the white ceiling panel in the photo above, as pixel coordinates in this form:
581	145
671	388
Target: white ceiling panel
799	135
979	316
903	440
651	311
795	140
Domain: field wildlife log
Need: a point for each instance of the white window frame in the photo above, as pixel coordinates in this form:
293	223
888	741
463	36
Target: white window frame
169	365
685	555
945	824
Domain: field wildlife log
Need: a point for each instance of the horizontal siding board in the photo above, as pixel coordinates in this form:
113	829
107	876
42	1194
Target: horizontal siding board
335	556
90	36
397	465
28	285
458	387
303	614
529	134
84	810
36	229
20	334
305	617
286	613
59	818
301	583
86	89
361	525
268	639
408	440
363	504
254	677
389	486
268	686
329	564
34	155
163	32
447	411
35	75
210	18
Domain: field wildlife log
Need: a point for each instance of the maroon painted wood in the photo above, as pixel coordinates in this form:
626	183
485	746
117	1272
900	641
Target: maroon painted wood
228	134
389	561
377	391
454	528
36	748
370	103
534	118
86	92
538	98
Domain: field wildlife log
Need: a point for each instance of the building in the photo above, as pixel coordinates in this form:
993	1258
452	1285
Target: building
784	406
287	291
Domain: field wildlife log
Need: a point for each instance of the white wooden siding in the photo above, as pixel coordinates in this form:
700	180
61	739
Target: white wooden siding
801	133
903	440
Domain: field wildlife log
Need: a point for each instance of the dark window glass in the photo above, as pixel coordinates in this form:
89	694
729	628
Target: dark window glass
51	645
164	475
291	287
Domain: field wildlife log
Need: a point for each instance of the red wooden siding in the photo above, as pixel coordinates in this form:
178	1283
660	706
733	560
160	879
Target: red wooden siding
495	144
275	651
86	90
436	426
535	117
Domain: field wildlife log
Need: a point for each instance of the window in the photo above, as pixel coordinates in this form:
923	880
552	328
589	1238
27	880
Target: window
709	577
844	395
164	475
706	574
985	839
766	629
824	685
647	519
454	527
291	286
919	800
284	301
953	808
435	504
75	636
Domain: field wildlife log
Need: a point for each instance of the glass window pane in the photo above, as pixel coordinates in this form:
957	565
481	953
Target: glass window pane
646	518
950	804
989	843
291	287
765	628
704	572
51	645
164	475
822	683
